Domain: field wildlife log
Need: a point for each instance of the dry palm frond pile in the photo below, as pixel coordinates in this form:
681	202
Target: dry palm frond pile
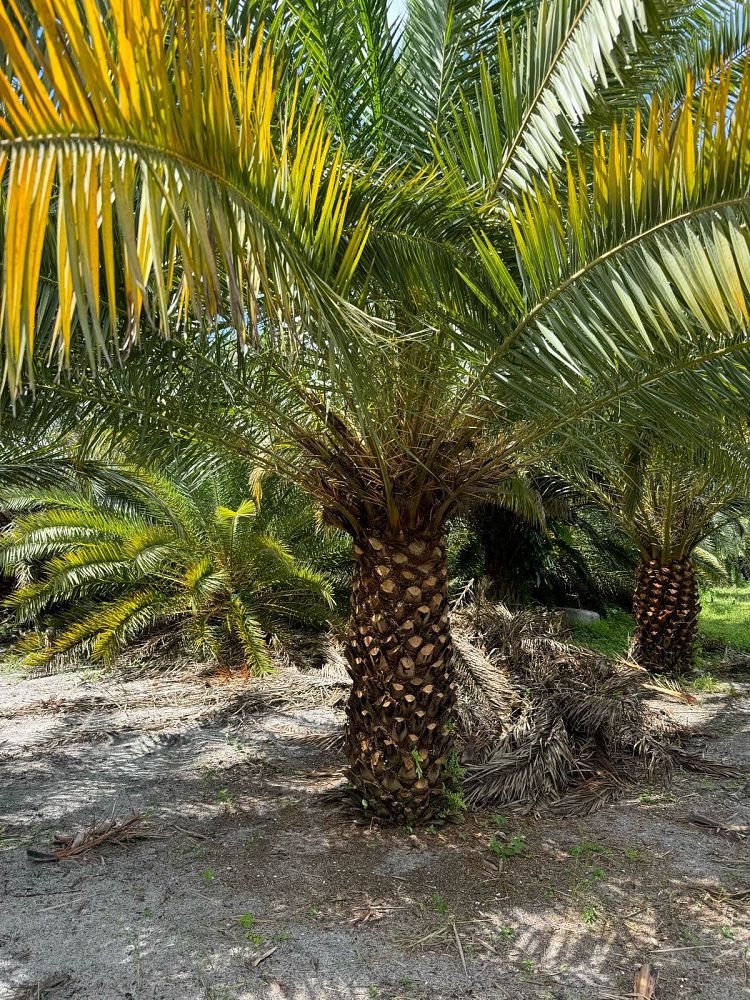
111	830
546	725
542	724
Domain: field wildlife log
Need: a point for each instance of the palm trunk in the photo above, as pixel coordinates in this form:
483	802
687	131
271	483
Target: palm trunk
399	655
512	552
666	609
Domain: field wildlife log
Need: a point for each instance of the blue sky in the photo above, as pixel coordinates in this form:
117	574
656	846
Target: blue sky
397	7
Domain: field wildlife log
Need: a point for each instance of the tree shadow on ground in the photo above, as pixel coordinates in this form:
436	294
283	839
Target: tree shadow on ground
252	860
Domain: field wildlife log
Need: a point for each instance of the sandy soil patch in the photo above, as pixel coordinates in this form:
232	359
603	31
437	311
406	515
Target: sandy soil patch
260	888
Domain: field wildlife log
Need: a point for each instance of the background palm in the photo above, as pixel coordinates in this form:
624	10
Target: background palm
667	500
431	295
156	554
576	554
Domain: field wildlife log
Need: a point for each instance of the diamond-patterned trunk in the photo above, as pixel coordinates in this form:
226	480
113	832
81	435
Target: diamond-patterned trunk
666	609
399	656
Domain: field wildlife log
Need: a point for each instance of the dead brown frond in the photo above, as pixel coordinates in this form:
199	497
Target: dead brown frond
549	726
44	706
644	987
112	830
738	898
289	687
40	989
669	688
732	831
328	742
703	765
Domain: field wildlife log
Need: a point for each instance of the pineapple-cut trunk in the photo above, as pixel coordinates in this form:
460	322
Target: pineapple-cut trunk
666	609
399	656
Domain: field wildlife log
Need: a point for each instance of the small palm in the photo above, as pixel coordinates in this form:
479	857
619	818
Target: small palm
174	556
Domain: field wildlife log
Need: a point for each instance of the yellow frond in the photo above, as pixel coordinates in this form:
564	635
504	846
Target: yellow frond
174	161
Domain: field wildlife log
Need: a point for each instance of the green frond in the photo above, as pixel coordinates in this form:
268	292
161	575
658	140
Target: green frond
314	585
521	496
54	531
441	47
205	583
246	509
153	550
264	546
67	576
715	42
533	95
349	49
120	623
16	500
104	631
709	565
251	635
644	255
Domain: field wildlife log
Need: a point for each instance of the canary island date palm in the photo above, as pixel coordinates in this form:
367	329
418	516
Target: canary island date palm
399	263
668	499
100	569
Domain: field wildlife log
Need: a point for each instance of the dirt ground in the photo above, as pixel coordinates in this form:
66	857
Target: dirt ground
259	887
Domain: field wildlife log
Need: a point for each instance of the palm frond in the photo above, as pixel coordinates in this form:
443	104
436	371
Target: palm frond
644	255
532	97
237	212
101	577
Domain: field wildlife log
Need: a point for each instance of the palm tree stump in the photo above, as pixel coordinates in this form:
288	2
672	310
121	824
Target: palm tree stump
666	609
399	656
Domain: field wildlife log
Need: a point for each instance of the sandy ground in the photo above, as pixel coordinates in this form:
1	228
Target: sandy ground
261	862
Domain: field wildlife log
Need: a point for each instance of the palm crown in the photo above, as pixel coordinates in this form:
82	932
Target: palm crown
414	257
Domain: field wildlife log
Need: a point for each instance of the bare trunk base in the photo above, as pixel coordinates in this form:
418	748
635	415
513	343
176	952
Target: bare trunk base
399	656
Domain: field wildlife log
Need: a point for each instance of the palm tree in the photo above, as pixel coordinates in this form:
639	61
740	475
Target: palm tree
668	499
402	262
102	569
577	554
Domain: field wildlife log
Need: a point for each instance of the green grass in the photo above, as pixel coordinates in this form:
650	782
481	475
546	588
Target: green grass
610	635
726	616
11	665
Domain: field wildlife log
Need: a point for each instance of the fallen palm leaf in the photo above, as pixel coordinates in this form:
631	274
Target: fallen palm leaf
738	897
685	947
440	932
45	706
190	833
369	917
460	949
671	689
261	958
40	989
702	765
111	830
732	831
369	913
